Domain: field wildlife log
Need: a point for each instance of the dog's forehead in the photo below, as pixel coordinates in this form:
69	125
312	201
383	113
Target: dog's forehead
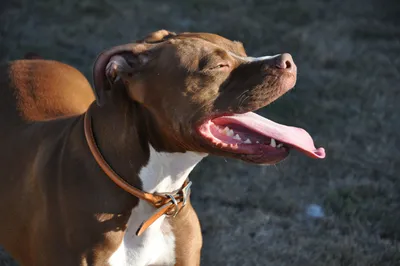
202	39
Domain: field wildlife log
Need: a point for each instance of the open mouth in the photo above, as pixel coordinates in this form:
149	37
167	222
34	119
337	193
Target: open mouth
257	138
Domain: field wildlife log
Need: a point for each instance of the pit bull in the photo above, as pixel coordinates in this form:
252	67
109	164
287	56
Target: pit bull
106	183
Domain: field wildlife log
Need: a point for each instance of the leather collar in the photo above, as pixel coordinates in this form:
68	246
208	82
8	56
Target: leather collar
165	203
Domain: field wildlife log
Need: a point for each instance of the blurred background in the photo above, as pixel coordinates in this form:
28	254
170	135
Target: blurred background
344	210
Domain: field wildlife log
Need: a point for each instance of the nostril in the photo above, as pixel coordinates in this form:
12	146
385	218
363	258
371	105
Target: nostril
283	64
288	64
284	61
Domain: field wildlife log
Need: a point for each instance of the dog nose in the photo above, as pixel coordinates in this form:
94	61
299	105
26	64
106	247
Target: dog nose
285	61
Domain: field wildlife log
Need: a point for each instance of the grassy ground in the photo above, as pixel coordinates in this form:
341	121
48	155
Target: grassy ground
348	54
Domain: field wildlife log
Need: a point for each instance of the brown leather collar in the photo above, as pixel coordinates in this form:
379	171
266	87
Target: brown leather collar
165	203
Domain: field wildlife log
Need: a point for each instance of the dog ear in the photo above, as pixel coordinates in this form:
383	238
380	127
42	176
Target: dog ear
108	64
111	62
158	36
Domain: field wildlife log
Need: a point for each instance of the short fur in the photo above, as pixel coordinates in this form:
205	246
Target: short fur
57	206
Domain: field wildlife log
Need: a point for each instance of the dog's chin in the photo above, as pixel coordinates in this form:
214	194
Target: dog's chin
261	159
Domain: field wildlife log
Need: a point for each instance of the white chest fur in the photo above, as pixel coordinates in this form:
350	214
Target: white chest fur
165	172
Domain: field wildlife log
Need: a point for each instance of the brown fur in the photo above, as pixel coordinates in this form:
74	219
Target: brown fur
44	89
57	206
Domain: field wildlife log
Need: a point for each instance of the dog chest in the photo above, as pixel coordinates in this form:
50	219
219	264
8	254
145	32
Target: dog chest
164	172
156	246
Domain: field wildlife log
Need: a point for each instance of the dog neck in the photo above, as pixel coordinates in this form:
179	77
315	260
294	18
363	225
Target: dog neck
127	139
166	172
130	142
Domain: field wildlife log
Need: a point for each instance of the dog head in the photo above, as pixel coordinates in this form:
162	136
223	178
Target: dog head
201	89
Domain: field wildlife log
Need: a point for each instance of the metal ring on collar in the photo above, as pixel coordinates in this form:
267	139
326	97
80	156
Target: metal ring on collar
173	199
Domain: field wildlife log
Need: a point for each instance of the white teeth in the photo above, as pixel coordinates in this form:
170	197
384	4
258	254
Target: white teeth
227	131
247	141
280	145
237	137
273	143
257	142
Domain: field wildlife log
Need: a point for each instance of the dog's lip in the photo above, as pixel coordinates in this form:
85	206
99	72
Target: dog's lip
291	137
259	153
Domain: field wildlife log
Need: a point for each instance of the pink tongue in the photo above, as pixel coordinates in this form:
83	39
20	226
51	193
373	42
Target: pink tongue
296	137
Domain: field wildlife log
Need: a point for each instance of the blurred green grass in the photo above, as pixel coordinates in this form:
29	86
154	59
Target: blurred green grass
347	97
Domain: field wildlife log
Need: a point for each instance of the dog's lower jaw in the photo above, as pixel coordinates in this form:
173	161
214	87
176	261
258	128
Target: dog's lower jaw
165	172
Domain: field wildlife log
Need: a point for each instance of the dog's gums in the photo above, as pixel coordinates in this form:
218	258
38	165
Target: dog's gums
253	135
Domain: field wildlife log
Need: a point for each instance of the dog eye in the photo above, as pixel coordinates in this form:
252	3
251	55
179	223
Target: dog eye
221	66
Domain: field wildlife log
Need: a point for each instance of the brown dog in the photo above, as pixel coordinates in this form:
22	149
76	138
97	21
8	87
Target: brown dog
47	89
163	104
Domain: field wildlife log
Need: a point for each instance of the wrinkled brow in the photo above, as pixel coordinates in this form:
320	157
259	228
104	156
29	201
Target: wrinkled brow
232	46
